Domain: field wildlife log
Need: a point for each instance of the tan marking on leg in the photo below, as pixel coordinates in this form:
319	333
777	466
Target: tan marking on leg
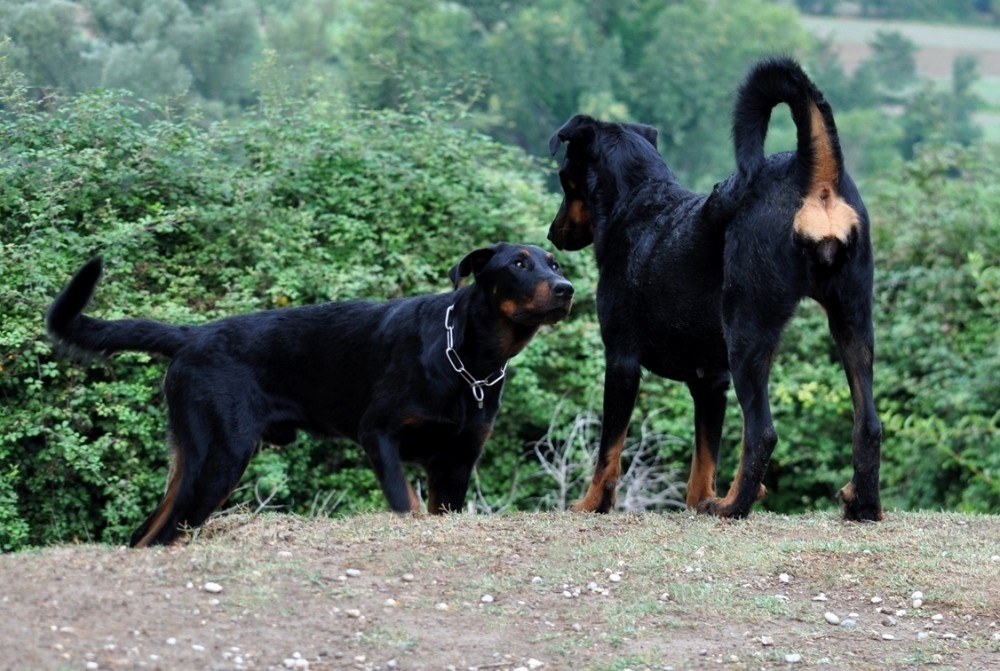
723	507
701	483
416	505
166	506
604	482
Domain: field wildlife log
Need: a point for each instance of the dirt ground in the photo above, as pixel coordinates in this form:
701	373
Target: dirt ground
519	591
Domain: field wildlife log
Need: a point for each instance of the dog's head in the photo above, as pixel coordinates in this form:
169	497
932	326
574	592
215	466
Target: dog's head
522	282
600	156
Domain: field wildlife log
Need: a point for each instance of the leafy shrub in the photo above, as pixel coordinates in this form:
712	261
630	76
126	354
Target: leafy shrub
292	205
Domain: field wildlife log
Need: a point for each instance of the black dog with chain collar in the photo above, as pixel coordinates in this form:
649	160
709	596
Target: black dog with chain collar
378	373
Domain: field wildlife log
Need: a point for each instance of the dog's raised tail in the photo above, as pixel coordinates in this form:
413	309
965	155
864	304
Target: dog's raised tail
825	218
68	326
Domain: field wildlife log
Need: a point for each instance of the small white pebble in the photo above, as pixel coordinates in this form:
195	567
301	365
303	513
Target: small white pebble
486	598
784	577
390	602
592	586
917	603
535	664
391	663
567	594
536	580
212	587
766	640
995	558
284	554
937	617
876	599
831	617
917	595
352	573
92	665
442	606
888	637
171	641
793	658
189	585
820	597
923	635
353	612
949	636
615	577
407	577
198	648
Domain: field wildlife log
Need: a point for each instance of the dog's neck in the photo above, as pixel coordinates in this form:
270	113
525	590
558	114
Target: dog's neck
485	339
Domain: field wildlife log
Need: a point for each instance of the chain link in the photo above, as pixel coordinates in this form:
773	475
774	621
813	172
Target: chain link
451	354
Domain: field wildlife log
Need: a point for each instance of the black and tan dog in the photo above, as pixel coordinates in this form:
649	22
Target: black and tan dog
411	380
698	288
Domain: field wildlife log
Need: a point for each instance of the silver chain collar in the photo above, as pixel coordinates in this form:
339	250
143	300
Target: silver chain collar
456	363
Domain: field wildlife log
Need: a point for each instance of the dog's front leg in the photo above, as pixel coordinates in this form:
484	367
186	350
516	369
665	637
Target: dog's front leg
621	386
383	451
709	396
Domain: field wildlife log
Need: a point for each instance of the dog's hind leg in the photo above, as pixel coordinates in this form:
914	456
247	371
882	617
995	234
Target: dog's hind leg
851	328
709	396
621	387
753	325
160	527
224	465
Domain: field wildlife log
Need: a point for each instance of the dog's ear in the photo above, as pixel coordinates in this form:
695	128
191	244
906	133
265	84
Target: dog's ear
647	132
580	127
472	264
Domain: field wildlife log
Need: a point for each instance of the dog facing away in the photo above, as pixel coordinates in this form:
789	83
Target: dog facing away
698	288
414	379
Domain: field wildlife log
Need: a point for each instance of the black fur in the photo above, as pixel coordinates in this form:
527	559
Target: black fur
698	288
377	373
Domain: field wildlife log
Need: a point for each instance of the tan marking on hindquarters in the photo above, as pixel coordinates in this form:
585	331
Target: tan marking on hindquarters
166	506
701	483
605	480
824	213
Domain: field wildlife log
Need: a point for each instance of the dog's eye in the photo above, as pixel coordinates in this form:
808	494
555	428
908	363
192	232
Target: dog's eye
553	265
520	264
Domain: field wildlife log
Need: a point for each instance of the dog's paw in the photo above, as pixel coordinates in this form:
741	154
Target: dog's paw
856	510
597	500
713	506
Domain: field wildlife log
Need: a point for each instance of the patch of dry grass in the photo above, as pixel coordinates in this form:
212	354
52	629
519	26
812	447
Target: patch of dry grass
571	591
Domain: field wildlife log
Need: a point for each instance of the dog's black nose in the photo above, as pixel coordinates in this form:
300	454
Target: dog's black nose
563	290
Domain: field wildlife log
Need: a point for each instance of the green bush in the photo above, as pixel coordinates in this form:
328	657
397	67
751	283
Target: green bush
295	204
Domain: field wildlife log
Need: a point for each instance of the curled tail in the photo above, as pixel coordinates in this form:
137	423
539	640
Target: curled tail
67	324
824	218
